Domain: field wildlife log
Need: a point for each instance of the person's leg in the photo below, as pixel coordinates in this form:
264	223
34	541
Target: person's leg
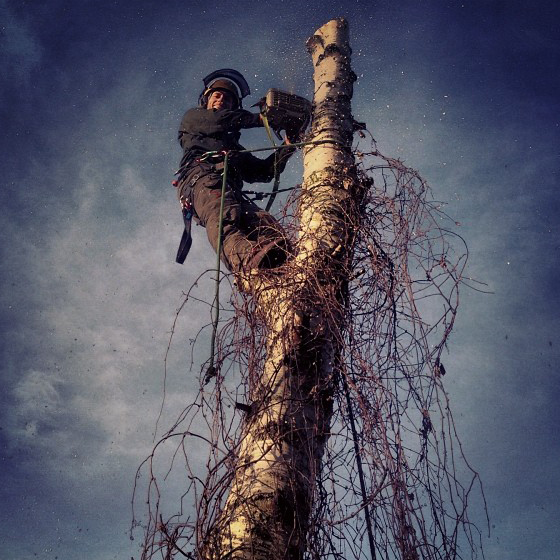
251	237
236	248
271	247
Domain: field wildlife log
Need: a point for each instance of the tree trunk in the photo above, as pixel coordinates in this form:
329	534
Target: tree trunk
268	511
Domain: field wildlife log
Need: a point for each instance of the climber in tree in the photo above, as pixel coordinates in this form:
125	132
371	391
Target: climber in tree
251	237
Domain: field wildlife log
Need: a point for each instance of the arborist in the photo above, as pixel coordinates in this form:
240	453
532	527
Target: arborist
250	238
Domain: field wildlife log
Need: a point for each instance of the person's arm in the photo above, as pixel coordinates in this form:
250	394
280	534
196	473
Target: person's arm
256	170
211	123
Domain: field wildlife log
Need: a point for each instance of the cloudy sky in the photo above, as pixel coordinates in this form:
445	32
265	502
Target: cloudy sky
91	96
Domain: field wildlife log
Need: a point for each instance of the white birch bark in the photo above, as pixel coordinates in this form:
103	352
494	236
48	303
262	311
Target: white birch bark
267	513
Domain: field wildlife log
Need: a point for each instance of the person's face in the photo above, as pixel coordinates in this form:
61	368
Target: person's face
219	99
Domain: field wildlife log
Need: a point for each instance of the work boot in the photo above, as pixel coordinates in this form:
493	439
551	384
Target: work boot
270	255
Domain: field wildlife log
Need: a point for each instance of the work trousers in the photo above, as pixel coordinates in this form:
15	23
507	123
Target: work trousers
249	233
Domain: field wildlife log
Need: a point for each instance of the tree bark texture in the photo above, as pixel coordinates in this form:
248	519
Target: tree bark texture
267	513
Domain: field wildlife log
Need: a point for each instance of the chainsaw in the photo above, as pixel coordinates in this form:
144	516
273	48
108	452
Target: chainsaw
286	111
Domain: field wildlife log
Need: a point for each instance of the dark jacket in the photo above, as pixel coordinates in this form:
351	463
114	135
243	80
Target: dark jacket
203	130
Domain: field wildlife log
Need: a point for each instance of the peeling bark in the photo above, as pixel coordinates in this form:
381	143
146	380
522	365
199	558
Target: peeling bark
279	457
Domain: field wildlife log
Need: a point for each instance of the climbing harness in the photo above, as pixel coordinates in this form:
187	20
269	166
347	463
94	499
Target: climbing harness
186	202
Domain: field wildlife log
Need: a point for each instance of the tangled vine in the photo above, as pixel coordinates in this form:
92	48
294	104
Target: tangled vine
394	482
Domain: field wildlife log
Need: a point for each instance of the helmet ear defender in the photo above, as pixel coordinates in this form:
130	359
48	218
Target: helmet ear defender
228	80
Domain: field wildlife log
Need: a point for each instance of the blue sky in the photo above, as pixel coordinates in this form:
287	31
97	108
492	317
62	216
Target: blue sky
91	97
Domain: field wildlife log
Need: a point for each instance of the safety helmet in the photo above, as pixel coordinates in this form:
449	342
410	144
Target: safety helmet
228	80
223	85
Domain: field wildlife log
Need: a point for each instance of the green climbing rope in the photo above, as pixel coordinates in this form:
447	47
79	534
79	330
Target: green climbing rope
211	371
276	174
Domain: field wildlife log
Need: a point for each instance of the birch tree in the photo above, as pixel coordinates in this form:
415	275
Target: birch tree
349	387
267	512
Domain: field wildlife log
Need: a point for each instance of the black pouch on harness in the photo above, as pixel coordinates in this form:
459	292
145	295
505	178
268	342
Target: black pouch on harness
186	239
188	175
